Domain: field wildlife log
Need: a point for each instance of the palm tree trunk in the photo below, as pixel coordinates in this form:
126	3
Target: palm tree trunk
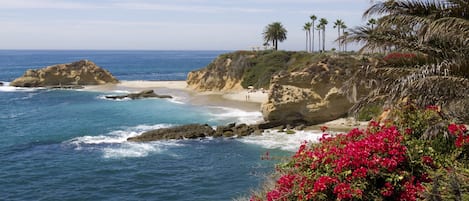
343	41
319	39
324	39
306	41
312	40
338	32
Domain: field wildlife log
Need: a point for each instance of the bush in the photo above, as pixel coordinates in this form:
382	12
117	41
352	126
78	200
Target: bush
263	67
386	161
369	112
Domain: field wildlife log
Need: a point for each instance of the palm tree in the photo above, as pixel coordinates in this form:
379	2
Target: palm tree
343	27
338	24
313	19
437	28
345	35
275	32
323	22
372	22
307	29
319	28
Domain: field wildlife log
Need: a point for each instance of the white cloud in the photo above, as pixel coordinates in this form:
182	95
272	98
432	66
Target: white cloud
186	8
43	4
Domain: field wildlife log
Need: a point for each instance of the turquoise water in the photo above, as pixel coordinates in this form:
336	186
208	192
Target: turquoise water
70	145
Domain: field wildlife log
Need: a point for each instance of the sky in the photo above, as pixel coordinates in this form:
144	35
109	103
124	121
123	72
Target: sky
165	24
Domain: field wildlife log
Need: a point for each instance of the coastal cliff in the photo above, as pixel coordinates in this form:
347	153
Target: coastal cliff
82	72
225	73
303	87
306	88
312	94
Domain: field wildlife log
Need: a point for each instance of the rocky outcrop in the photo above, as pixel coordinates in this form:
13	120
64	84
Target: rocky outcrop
1	83
139	95
78	73
311	96
239	130
190	131
225	73
194	131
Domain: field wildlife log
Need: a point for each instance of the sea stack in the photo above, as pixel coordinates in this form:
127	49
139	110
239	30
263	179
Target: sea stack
82	72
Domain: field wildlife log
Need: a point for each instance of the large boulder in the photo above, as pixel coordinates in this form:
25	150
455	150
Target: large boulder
190	131
143	94
83	72
310	96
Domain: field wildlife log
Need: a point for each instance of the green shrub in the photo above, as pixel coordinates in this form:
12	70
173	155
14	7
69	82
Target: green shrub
369	112
263	67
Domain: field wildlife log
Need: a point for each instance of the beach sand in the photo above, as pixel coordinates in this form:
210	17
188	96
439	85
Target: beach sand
179	89
244	100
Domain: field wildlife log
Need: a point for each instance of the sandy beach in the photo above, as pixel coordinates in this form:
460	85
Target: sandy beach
244	100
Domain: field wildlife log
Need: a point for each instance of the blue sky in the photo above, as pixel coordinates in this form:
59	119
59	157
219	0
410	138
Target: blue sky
164	25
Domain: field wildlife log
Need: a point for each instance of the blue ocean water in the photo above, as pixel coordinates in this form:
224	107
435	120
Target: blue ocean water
71	144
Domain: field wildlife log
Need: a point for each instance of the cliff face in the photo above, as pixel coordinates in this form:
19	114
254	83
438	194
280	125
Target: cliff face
225	73
312	95
78	73
302	87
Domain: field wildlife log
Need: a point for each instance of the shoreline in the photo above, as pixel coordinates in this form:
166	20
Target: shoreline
179	89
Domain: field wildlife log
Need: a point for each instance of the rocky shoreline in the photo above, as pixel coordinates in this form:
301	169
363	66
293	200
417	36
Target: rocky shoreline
196	131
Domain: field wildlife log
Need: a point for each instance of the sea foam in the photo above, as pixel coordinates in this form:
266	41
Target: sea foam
115	145
271	139
236	115
7	88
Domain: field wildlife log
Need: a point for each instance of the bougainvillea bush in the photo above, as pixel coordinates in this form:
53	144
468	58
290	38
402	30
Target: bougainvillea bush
382	162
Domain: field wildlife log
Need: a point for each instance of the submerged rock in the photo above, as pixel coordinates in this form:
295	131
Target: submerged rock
139	95
190	131
83	72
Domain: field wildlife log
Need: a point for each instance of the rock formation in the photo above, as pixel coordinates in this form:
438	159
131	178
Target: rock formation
139	95
225	73
312	95
1	83
194	131
190	131
78	73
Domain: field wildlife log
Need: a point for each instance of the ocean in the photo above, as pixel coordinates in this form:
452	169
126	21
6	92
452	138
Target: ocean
71	144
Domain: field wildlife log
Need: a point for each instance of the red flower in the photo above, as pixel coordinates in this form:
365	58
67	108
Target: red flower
408	131
453	129
387	190
322	183
427	160
360	172
324	128
343	191
433	108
